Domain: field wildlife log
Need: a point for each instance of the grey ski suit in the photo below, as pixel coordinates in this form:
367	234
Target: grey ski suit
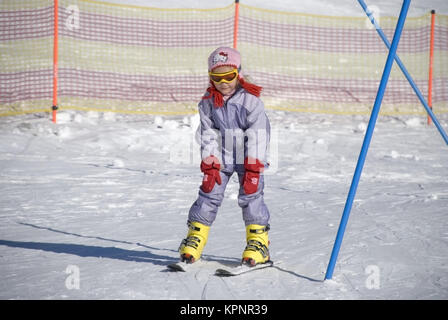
231	133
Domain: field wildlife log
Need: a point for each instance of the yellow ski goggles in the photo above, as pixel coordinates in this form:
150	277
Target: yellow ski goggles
224	77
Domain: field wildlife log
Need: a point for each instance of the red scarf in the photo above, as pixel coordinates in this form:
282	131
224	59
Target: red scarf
218	100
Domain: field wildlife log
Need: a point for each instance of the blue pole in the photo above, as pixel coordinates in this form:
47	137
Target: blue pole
367	139
406	74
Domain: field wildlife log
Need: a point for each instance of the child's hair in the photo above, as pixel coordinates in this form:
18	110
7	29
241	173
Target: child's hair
249	86
217	97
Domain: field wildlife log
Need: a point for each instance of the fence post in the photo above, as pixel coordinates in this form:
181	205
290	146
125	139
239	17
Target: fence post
367	139
55	61
235	25
431	62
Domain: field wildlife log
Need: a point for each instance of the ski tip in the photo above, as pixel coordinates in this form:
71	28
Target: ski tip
223	273
178	266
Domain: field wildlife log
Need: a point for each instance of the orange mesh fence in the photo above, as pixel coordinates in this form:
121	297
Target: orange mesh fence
146	60
334	64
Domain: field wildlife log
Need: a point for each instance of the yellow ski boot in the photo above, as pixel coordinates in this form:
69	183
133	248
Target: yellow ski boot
256	251
191	247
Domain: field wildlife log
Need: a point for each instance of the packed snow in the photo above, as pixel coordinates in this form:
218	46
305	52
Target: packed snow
95	206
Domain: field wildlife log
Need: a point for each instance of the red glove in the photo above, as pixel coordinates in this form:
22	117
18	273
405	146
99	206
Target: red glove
210	167
251	177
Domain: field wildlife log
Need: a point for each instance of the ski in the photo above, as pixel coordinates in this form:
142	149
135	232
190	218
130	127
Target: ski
241	269
181	266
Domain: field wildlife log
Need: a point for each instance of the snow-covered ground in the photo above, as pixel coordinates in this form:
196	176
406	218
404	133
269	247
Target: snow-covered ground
95	207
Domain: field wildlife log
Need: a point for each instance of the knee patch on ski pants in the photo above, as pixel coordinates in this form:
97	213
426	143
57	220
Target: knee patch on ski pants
254	210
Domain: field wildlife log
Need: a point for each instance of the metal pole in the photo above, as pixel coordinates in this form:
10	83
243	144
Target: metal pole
367	139
407	75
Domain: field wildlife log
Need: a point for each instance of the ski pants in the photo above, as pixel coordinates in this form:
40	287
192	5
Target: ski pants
205	208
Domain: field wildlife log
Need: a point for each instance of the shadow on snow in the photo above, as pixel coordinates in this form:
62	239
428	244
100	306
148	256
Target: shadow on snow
94	250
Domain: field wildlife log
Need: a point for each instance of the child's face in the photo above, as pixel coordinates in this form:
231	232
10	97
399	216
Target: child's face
225	88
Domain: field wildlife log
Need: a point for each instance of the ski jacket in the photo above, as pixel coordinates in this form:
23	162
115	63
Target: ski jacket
238	129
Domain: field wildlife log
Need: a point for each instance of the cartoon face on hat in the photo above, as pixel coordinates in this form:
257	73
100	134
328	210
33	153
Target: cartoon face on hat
224	56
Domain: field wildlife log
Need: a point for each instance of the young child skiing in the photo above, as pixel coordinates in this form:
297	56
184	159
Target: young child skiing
235	135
